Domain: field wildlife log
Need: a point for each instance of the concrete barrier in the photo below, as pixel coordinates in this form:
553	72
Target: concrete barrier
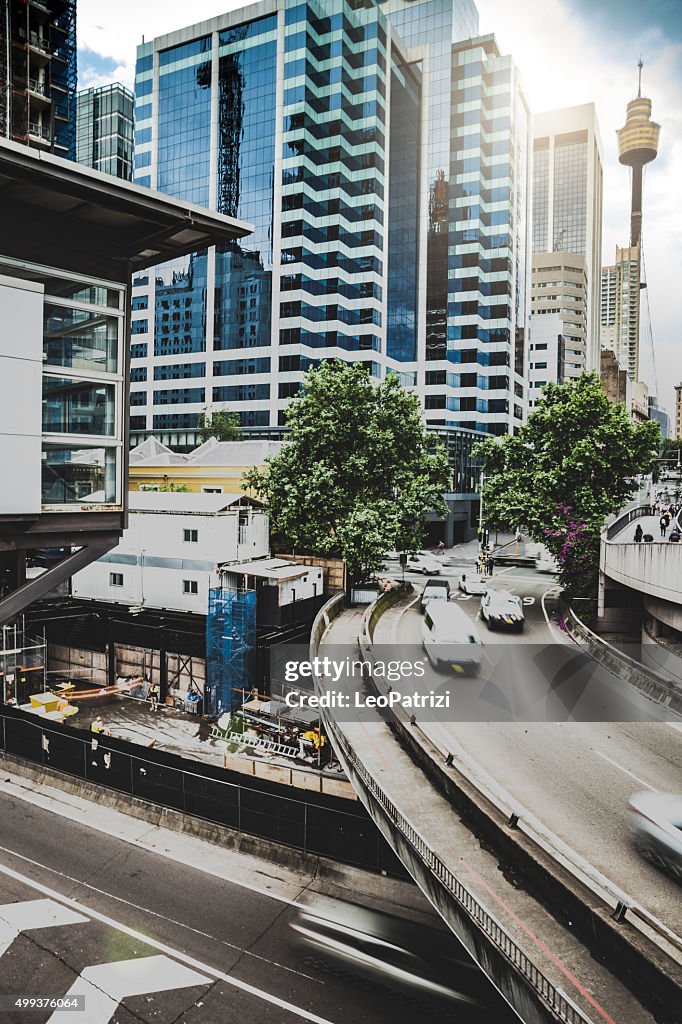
652	684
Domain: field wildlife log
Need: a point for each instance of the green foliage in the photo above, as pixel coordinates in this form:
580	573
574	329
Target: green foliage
168	486
221	424
572	464
357	473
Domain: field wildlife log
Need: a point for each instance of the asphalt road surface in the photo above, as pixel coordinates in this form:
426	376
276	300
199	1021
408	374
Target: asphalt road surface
575	776
147	939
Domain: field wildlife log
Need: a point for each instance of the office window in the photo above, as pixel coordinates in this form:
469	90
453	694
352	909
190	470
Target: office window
211	490
190	536
190	587
115	579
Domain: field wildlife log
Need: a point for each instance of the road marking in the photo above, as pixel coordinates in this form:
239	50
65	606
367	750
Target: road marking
105	986
188	961
23	917
541	945
558	638
675	725
626	770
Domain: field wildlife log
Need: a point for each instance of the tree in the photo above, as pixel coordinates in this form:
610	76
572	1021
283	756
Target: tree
571	464
221	424
357	472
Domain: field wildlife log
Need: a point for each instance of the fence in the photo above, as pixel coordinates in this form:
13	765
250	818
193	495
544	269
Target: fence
314	823
628	517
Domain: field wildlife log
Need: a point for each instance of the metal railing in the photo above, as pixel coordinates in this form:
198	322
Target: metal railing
628	517
559	1004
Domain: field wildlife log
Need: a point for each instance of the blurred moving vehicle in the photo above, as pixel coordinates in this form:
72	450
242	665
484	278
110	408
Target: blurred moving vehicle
501	609
434	590
657	824
451	639
409	958
473	583
425	563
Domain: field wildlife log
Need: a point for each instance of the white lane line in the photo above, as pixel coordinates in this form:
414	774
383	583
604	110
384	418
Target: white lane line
105	986
399	618
557	636
188	961
675	725
626	770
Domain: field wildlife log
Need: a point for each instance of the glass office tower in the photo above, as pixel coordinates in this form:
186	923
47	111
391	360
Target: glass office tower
104	129
329	126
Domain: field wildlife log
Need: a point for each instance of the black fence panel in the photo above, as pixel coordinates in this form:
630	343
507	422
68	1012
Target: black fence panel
324	825
157	783
65	753
215	801
24	738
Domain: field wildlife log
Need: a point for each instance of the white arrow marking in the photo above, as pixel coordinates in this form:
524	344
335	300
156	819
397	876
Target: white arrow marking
22	917
104	986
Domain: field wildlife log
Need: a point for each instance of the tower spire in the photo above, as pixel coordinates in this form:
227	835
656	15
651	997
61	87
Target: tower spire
640	65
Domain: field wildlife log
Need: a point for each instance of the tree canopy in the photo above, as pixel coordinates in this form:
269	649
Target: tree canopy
572	464
221	424
357	472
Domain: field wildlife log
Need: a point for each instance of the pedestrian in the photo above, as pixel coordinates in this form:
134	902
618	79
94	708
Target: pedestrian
639	533
154	696
664	525
674	536
489	565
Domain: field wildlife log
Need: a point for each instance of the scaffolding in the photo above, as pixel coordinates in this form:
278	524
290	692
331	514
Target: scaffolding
230	648
22	663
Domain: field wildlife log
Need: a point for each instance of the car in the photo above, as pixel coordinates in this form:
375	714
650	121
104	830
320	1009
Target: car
425	563
434	590
501	608
473	583
451	639
657	826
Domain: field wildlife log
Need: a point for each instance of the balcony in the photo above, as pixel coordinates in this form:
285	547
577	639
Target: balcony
39	133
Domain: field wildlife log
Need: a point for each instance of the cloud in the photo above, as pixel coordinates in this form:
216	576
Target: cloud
576	51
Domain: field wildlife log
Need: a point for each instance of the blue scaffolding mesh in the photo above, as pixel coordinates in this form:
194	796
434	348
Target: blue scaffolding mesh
230	648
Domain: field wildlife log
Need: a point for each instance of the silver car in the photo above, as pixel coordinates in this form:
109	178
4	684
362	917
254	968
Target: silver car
657	825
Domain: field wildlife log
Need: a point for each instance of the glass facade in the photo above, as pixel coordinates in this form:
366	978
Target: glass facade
570	196
104	130
310	124
82	386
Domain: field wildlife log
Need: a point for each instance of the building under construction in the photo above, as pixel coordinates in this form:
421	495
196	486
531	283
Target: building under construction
38	74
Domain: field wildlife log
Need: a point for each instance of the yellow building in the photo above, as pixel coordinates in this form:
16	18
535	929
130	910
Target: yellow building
215	467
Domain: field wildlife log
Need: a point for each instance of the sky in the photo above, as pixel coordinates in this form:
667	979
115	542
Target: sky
568	52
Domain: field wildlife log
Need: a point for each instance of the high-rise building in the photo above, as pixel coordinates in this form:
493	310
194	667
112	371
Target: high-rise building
620	309
560	293
381	234
38	74
567	217
678	412
660	416
104	129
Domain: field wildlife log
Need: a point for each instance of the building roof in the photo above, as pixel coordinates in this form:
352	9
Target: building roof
211	453
62	214
277	569
179	501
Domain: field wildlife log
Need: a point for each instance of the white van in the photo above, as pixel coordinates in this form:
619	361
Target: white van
451	639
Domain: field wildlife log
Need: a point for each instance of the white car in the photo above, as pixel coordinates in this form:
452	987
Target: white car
657	823
500	608
424	563
473	583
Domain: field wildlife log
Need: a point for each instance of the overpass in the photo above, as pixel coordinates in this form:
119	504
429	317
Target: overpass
640	590
558	936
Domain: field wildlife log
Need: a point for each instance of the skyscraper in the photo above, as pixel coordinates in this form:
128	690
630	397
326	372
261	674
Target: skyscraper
104	129
567	219
380	234
38	74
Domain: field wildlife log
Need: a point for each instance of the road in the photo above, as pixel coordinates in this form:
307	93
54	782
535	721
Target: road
170	943
575	776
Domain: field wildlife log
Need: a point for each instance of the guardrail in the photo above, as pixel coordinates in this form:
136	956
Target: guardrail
557	1002
628	517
